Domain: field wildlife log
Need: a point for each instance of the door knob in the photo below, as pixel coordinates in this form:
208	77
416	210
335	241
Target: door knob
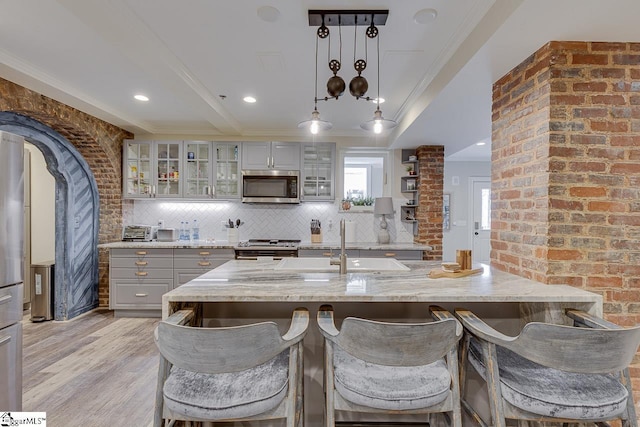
476	233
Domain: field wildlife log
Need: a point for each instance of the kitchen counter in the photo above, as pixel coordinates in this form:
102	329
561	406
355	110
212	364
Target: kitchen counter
223	244
254	281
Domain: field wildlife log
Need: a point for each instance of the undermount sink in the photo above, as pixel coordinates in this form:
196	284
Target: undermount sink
353	264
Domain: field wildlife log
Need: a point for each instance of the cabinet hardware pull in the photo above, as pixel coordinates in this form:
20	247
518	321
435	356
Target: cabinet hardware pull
5	299
141	262
141	295
141	273
390	254
141	253
327	254
204	263
4	340
205	253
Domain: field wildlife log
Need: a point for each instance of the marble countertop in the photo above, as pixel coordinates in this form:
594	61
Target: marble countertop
258	281
223	244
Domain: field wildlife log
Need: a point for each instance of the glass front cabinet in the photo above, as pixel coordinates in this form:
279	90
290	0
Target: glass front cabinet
168	170
137	167
318	171
181	169
227	181
197	156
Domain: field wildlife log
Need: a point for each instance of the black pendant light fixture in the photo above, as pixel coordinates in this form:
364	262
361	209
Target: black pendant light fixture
358	85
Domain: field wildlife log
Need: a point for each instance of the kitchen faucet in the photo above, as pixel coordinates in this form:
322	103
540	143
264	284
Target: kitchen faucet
342	259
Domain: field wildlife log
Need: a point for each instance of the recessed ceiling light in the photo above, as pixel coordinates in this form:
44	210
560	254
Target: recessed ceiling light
425	16
380	101
268	13
249	99
481	143
141	97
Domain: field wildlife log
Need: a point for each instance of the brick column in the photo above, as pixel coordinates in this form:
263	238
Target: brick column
566	172
429	210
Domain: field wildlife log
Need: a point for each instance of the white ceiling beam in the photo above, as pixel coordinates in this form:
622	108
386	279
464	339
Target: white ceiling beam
488	25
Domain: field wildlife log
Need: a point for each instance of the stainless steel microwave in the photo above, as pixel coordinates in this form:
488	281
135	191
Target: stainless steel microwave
270	186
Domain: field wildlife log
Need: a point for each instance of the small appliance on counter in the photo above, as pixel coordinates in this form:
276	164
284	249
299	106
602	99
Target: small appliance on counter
139	233
167	234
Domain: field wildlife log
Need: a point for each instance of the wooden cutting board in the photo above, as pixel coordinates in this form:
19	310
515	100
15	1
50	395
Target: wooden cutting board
438	273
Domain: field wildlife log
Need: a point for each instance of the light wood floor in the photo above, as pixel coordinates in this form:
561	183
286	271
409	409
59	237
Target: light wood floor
92	371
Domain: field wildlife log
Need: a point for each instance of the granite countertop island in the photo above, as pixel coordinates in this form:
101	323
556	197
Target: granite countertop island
240	292
260	281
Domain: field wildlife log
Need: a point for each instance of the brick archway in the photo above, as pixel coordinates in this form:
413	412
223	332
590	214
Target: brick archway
77	216
98	142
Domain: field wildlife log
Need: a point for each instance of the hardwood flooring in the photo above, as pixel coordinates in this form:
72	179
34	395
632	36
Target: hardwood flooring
92	371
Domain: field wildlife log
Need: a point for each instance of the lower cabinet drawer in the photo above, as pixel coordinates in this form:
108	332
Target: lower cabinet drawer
141	273
139	295
397	254
318	253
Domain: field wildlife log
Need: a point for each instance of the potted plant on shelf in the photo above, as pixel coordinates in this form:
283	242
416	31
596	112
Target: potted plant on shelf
346	204
410	170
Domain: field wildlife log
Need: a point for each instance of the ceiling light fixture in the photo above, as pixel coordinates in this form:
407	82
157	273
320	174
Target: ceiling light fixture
249	99
425	16
378	123
315	124
336	85
141	97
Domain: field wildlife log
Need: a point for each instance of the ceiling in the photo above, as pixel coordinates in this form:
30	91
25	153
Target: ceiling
197	59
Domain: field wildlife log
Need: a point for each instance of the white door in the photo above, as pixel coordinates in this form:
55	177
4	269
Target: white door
481	219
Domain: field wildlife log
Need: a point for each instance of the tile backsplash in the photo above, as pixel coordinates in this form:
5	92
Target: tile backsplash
269	221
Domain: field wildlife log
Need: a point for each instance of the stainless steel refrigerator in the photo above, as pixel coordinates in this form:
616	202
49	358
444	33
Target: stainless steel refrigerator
11	269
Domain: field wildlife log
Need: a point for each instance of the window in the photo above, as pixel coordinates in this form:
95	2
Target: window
363	174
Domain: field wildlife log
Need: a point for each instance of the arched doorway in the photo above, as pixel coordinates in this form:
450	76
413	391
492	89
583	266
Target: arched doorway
77	215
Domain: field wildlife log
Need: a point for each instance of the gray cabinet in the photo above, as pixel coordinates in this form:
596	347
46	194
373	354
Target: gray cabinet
138	278
271	155
192	170
227	170
402	254
151	169
318	171
191	263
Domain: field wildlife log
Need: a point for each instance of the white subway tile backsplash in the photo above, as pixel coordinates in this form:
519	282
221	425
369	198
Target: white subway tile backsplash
268	221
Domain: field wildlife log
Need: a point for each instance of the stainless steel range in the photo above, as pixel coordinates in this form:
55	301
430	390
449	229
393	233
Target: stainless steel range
276	248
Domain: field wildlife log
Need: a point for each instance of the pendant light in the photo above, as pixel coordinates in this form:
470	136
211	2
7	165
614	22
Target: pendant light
316	125
378	123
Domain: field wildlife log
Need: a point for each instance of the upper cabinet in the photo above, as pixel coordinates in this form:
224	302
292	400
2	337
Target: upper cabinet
271	155
198	169
318	171
151	169
227	165
181	169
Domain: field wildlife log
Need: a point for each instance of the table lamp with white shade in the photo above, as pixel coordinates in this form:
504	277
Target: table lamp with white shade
383	206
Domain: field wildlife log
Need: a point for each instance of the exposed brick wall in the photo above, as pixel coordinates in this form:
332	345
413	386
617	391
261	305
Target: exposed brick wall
429	210
566	172
519	168
100	144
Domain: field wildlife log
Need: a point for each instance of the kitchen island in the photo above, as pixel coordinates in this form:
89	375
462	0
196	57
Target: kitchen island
245	291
